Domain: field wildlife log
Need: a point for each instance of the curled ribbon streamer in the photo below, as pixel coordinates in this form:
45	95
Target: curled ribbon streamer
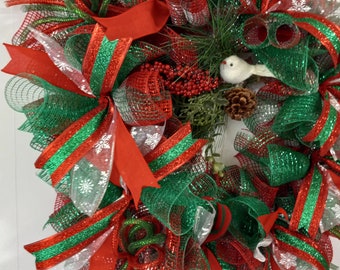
55	249
136	237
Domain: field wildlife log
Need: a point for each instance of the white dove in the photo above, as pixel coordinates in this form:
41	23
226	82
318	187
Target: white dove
235	70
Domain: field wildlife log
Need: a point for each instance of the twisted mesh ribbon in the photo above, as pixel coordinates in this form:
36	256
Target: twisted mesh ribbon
275	163
314	121
174	204
142	100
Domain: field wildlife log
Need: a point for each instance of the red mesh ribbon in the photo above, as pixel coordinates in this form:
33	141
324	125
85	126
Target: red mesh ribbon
182	50
142	100
233	252
196	11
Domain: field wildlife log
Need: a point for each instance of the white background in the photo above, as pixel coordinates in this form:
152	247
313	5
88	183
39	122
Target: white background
26	201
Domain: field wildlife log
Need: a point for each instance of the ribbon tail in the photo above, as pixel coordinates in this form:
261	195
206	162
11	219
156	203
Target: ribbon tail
28	61
131	164
89	182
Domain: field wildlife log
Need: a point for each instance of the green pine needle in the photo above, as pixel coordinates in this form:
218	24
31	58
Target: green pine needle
220	40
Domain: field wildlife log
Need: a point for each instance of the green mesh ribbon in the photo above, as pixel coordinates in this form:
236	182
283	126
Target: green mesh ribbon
294	66
301	115
132	242
336	231
297	116
279	164
244	225
284	165
174	204
49	109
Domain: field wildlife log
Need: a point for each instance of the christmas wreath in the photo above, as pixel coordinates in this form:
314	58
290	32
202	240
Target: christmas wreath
128	102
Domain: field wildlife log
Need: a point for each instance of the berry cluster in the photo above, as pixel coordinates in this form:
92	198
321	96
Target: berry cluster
183	80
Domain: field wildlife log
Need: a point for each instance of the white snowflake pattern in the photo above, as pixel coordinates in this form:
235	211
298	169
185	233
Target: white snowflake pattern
287	260
152	140
103	143
63	66
336	210
86	186
104	175
300	5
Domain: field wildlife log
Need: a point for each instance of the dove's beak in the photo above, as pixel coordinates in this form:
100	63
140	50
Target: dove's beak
224	62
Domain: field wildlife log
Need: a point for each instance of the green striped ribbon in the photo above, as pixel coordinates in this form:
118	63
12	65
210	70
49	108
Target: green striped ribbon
63	245
326	31
74	142
101	64
310	203
174	152
302	247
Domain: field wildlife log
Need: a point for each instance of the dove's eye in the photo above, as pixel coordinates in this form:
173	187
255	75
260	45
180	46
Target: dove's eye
231	64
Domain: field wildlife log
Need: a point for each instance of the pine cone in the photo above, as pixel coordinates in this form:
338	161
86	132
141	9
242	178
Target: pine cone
241	103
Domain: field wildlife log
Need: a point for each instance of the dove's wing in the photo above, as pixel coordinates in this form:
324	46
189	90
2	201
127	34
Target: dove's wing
262	70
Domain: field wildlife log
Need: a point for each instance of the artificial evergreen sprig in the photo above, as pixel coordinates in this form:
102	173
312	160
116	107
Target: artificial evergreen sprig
216	40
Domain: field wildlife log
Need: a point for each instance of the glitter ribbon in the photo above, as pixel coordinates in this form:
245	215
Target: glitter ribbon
57	248
136	239
324	30
302	247
310	203
174	152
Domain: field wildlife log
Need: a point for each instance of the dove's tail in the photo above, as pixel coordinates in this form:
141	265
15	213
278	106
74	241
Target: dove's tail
262	70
